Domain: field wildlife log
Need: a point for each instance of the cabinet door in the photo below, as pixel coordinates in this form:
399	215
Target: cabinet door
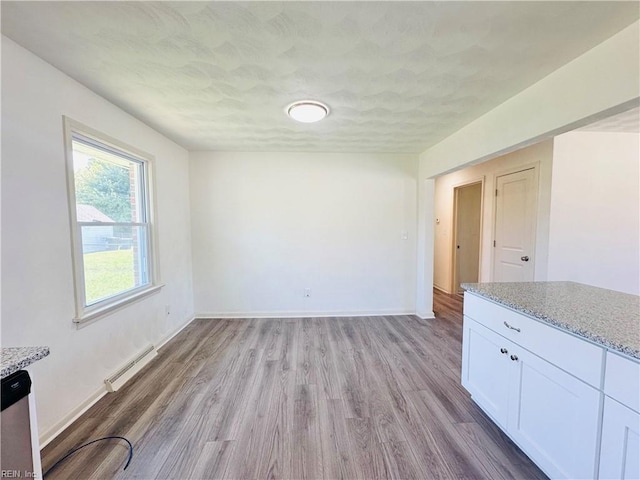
553	417
620	450
485	369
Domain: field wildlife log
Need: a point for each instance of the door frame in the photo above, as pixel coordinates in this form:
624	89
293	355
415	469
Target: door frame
536	180
454	229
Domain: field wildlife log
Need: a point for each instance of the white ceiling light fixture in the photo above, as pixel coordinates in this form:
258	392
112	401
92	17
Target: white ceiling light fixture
307	111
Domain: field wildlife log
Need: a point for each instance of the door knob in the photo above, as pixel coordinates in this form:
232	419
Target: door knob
525	258
514	358
504	350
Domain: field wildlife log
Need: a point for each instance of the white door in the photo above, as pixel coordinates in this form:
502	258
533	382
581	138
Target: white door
553	417
514	238
486	369
620	454
468	205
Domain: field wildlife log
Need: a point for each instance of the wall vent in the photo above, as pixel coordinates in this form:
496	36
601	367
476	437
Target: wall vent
122	375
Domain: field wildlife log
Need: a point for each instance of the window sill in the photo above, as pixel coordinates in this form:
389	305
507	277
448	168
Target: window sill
90	317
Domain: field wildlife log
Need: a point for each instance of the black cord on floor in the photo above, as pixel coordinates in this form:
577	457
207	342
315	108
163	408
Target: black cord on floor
71	452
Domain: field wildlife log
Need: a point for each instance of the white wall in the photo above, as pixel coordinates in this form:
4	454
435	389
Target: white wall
594	234
37	286
540	155
603	81
425	247
268	225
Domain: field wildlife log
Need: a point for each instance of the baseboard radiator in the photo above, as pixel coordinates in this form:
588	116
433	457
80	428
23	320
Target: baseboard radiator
122	375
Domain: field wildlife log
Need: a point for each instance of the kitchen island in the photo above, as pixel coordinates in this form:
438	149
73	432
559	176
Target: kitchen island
556	366
605	317
15	358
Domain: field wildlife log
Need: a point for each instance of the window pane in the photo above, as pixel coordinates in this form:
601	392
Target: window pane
115	260
107	185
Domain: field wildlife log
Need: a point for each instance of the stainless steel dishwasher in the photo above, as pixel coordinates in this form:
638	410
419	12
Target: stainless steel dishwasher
16	459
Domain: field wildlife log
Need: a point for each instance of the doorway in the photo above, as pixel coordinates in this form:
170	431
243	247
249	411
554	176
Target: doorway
467	221
515	226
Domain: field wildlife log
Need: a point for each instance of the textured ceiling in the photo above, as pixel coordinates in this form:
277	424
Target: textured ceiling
625	122
398	76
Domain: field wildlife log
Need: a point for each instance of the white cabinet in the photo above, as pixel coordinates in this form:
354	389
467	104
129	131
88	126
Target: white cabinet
561	398
553	417
485	372
622	380
550	414
620	447
572	354
620	450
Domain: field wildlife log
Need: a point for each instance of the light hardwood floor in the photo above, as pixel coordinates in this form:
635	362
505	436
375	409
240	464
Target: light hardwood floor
369	397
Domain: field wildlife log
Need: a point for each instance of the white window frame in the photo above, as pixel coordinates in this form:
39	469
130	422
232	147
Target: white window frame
86	313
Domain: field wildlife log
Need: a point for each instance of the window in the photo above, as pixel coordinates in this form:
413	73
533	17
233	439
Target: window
110	207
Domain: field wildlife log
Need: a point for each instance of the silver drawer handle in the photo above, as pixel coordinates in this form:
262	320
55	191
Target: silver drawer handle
512	328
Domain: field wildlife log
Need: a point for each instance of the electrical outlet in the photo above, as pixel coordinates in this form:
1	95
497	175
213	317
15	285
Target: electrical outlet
307	292
167	310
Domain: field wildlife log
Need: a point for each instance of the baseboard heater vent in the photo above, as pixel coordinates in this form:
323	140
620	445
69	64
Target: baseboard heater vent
120	377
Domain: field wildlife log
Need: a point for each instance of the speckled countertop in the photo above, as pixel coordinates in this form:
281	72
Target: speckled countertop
606	317
15	358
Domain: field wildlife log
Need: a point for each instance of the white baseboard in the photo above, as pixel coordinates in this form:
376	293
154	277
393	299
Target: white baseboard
71	417
48	436
443	290
425	315
307	314
165	339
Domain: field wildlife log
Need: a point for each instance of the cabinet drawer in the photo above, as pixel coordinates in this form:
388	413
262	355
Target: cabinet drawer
622	380
572	354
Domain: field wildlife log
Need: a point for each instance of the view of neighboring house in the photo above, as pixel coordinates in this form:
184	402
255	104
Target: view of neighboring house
95	239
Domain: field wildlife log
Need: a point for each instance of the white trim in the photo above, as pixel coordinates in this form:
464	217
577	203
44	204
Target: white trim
535	166
426	316
103	138
119	303
76	241
71	417
111	224
166	338
454	228
440	289
515	169
86	313
307	314
35	441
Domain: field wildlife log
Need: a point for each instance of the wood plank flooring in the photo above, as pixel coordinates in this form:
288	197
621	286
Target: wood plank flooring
311	398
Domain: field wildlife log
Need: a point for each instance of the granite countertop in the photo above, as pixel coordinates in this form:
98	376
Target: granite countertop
606	317
15	358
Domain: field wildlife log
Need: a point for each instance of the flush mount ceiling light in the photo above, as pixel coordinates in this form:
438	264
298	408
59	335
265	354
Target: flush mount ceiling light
307	111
